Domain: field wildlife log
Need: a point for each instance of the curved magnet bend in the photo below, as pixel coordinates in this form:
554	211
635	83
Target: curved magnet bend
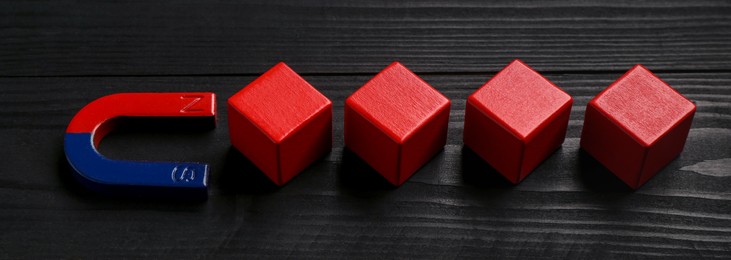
131	178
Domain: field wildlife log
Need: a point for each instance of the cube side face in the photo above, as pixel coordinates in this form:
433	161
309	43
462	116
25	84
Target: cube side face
612	147
493	143
303	147
666	149
546	141
423	145
371	144
253	144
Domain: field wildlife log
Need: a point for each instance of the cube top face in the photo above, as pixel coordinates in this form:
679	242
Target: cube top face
521	98
643	105
279	102
397	101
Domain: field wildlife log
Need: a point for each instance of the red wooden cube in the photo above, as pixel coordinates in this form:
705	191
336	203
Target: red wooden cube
516	120
636	126
396	122
281	123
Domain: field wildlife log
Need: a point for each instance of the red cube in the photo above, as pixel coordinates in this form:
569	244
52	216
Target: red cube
396	122
281	123
516	120
636	126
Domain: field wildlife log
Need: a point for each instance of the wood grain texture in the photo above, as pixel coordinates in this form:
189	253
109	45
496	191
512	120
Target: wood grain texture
55	57
453	207
42	38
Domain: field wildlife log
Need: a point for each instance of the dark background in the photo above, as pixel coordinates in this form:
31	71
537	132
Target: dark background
56	56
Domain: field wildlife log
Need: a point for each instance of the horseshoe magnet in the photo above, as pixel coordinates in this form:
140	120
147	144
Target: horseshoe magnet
134	178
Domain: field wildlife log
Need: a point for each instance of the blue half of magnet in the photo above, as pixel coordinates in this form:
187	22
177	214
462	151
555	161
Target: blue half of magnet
133	178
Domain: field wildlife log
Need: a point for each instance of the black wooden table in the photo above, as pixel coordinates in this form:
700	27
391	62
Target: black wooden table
56	56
